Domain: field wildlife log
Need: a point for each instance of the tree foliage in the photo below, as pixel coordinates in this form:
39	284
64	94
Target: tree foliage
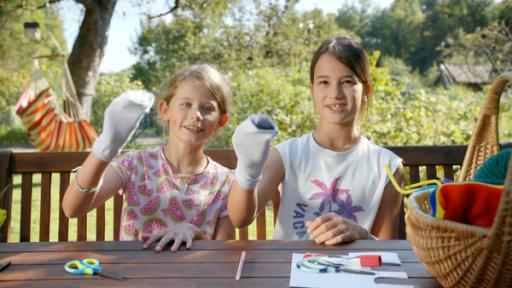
265	53
191	37
443	17
488	45
110	86
264	47
17	52
88	48
266	56
403	113
396	31
416	30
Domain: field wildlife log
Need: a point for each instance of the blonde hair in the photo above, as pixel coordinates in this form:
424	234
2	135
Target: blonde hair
208	76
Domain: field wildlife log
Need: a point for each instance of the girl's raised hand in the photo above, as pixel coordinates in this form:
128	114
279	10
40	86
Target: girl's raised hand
180	233
251	142
121	119
331	229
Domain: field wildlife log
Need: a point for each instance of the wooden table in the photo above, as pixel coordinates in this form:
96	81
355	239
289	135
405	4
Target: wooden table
208	264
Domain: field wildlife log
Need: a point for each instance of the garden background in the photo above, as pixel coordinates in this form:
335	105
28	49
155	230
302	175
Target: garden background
264	47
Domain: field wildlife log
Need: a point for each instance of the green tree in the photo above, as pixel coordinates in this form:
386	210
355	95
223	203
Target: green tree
396	31
416	30
276	36
17	52
281	93
110	86
442	18
265	49
490	45
404	114
356	17
89	46
194	35
266	57
502	12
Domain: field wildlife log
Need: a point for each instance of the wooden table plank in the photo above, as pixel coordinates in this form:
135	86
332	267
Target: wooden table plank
183	270
186	283
192	256
208	264
368	245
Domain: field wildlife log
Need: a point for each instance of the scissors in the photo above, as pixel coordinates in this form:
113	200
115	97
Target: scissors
324	265
89	266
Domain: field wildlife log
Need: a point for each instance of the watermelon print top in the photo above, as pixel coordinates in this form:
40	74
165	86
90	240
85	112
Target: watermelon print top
156	198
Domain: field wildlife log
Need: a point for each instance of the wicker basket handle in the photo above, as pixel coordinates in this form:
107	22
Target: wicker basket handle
484	140
492	101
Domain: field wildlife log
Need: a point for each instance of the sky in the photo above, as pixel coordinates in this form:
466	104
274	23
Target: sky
125	25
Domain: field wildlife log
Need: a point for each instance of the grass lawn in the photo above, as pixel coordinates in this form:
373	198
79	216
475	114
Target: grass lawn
91	217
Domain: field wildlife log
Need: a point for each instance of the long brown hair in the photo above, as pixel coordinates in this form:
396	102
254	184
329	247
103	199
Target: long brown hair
349	52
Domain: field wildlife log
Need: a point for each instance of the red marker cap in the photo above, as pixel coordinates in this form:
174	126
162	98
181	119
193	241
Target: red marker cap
370	260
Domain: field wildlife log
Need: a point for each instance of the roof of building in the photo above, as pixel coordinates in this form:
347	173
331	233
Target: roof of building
469	74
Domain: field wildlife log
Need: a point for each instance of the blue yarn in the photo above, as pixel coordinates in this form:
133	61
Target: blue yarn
433	203
494	169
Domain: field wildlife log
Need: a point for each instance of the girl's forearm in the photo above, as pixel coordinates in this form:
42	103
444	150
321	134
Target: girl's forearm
77	203
224	230
242	205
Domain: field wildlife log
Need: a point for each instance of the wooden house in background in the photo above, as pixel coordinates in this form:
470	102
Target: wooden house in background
472	76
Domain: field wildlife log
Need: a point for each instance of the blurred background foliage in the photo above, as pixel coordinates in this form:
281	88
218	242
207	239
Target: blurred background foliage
17	52
264	47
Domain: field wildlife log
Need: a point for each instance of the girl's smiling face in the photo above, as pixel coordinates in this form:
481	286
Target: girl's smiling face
193	113
337	92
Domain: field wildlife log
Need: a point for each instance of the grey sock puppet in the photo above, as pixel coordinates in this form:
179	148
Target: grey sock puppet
251	141
121	119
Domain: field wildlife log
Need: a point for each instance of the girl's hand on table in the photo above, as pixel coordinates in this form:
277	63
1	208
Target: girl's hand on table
331	229
179	233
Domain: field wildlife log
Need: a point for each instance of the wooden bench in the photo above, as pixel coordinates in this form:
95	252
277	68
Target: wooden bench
421	163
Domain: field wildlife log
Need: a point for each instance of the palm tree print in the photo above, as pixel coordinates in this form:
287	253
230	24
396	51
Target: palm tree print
332	194
347	210
328	194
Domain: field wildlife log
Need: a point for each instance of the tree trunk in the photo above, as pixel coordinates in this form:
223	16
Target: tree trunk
89	49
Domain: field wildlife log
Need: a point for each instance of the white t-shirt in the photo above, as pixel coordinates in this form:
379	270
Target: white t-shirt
318	181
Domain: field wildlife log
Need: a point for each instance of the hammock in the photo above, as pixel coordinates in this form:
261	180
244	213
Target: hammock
50	129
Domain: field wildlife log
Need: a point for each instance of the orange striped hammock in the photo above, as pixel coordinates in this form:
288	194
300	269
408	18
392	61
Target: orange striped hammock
49	129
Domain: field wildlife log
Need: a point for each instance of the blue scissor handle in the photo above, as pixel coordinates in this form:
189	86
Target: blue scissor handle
87	266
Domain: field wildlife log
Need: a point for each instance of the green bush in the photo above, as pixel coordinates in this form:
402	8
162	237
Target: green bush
109	87
405	113
16	136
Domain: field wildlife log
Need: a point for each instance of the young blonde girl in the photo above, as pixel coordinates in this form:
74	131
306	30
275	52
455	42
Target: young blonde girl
172	193
333	185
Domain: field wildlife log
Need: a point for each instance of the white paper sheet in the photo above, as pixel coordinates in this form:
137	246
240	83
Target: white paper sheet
299	278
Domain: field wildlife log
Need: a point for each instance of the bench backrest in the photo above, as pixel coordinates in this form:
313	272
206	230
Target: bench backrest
421	163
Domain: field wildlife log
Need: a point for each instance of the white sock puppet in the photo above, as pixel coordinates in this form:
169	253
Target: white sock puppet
251	141
121	119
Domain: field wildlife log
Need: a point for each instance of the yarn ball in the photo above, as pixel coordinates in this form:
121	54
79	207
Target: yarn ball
494	169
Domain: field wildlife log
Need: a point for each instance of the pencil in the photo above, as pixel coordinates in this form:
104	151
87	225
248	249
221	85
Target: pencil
240	266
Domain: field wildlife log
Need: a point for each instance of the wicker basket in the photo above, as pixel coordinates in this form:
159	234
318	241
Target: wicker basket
461	255
484	140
